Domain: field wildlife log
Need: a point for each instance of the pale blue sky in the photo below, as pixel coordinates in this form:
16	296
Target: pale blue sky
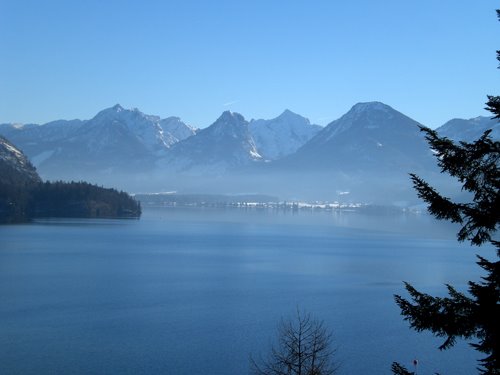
430	59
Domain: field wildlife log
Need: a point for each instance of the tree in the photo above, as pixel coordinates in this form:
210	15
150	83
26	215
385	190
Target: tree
476	316
397	369
303	348
477	166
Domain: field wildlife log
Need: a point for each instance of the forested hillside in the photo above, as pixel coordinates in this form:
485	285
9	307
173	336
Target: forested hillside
24	196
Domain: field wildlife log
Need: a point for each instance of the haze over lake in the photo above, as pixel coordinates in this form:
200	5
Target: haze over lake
197	291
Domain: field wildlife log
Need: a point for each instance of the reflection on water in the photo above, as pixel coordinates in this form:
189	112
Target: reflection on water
192	291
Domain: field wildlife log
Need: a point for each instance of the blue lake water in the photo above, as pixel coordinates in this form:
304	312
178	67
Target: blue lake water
197	291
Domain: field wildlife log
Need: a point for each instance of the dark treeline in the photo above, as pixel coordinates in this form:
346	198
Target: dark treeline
20	203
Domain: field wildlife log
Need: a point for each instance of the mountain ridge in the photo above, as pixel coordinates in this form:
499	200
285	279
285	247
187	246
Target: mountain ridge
225	144
469	129
114	140
371	148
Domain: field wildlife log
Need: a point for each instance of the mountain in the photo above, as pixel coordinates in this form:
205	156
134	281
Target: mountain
469	130
119	141
15	168
125	128
36	141
31	133
224	145
370	137
17	178
282	135
116	140
364	155
174	130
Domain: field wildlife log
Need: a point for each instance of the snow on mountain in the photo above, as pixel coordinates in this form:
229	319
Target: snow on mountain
154	133
282	135
471	129
118	127
15	167
368	152
370	136
174	130
225	144
115	139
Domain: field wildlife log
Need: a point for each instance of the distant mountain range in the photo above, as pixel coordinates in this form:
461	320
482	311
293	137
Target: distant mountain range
468	130
115	140
367	153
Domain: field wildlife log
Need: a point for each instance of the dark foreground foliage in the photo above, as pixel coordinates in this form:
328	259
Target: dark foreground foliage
19	203
398	369
474	316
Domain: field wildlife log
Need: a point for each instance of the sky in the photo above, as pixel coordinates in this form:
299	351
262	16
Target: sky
431	60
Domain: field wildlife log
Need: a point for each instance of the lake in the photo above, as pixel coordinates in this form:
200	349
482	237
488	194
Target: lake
197	291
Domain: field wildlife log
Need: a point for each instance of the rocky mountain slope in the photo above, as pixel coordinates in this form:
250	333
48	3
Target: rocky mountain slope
282	135
15	168
371	137
224	145
116	140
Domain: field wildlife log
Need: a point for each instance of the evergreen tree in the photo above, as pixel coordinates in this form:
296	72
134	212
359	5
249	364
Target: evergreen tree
475	316
397	369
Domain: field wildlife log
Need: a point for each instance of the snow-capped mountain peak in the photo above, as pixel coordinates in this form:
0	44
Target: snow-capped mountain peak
114	139
229	124
174	130
128	116
118	123
151	131
111	111
282	135
117	108
225	144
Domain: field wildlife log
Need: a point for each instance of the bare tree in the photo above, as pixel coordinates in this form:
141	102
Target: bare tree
303	348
